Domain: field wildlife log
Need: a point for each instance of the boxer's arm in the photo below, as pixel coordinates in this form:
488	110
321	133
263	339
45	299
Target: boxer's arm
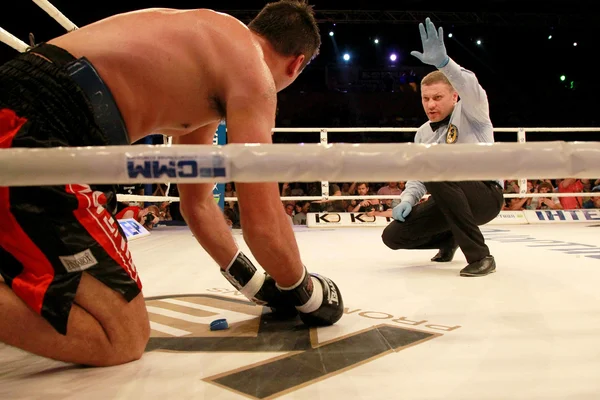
201	212
251	102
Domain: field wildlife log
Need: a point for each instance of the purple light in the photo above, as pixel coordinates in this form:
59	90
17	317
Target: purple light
393	57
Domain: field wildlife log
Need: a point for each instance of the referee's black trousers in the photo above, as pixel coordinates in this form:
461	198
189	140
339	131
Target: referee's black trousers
450	217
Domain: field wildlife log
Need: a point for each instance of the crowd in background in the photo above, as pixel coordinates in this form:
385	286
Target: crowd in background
553	186
297	209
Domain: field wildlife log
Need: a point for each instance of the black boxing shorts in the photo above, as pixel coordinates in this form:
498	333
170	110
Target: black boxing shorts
50	235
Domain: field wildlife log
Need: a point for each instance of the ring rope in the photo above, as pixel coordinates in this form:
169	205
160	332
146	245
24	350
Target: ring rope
160	199
56	14
535	129
338	162
151	199
13	41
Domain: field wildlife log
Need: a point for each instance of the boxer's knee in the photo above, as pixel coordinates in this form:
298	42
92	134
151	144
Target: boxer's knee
137	332
127	338
125	326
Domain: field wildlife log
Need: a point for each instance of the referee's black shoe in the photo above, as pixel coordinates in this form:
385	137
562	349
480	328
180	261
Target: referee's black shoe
483	267
445	255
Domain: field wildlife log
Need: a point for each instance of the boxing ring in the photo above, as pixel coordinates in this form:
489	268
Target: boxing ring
412	328
528	331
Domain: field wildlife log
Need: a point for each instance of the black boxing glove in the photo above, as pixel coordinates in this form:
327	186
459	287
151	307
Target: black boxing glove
317	299
257	286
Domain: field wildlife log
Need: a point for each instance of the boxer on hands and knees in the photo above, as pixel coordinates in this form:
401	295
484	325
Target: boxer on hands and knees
71	290
451	217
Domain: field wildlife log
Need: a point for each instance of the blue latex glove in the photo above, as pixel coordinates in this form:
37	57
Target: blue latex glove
434	51
400	212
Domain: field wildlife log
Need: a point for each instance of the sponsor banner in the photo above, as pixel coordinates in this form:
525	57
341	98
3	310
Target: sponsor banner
133	229
562	216
509	218
335	220
177	168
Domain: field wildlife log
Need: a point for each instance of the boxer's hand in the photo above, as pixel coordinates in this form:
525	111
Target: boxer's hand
317	299
401	211
270	296
434	50
332	306
257	286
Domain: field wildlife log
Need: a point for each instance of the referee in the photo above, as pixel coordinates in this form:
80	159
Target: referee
451	217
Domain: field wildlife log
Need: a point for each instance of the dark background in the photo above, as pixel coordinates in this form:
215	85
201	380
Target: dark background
516	63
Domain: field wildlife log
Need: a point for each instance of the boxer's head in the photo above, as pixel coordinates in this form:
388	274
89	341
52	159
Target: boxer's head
438	96
292	31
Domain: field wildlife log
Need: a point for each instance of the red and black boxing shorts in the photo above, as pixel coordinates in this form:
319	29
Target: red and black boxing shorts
51	235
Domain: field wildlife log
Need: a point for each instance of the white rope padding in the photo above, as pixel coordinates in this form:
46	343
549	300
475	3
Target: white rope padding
160	199
13	41
298	163
56	14
388	129
550	194
150	199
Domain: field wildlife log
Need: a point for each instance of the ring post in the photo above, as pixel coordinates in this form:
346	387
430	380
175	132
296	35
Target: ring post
220	139
148	186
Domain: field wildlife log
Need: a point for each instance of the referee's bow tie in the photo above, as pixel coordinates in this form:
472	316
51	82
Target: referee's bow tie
436	125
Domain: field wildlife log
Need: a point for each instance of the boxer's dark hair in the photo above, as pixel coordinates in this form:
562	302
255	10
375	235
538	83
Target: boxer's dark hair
291	28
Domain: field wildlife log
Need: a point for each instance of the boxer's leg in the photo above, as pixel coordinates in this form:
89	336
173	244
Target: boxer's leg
72	292
103	329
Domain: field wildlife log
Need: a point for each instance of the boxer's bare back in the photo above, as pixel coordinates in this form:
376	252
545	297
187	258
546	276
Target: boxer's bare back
174	71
